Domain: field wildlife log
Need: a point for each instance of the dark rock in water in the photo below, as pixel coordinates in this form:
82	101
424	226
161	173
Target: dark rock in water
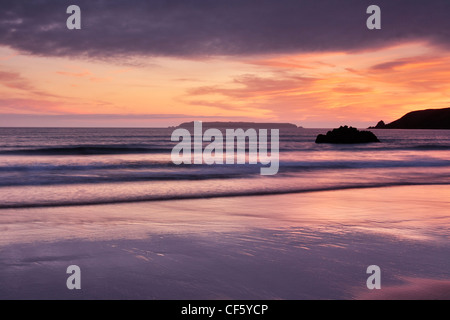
347	135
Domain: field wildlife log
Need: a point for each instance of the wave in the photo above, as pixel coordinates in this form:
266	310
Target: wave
137	165
172	197
433	147
284	164
330	165
139	171
285	146
375	147
85	150
86	179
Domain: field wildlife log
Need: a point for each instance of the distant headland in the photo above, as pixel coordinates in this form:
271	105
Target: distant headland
240	125
421	119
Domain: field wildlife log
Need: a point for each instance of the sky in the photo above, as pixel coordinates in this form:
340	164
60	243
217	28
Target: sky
158	63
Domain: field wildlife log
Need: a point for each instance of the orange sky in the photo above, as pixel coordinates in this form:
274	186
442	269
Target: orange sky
324	89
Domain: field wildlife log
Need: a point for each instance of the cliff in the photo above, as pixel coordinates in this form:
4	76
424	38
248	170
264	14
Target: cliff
422	119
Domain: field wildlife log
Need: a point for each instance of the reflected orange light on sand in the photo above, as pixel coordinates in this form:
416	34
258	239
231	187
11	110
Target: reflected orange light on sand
410	289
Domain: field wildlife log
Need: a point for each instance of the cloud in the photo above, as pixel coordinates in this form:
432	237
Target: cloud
389	65
112	29
363	87
74	74
404	63
351	89
252	86
9	57
85	74
14	80
12	105
269	96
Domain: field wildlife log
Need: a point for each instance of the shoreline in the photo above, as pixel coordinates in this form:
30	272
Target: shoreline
291	246
257	193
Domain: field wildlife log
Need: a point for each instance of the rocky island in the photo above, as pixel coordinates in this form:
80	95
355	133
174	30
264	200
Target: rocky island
240	125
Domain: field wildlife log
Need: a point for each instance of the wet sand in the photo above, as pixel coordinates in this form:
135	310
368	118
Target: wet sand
294	246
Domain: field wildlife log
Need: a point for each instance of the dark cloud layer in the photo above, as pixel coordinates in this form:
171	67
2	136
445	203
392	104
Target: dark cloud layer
193	28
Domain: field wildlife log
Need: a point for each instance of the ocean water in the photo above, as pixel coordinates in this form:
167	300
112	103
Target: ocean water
44	167
85	197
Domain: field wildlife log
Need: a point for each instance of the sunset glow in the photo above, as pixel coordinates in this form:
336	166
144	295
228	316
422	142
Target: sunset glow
154	65
222	151
313	90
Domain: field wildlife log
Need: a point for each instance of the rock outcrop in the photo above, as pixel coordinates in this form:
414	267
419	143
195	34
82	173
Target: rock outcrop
380	125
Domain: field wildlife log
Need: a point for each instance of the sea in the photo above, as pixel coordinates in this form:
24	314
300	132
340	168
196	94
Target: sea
46	167
112	202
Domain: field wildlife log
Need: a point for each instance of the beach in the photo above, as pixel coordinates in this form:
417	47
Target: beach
236	150
314	245
112	202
